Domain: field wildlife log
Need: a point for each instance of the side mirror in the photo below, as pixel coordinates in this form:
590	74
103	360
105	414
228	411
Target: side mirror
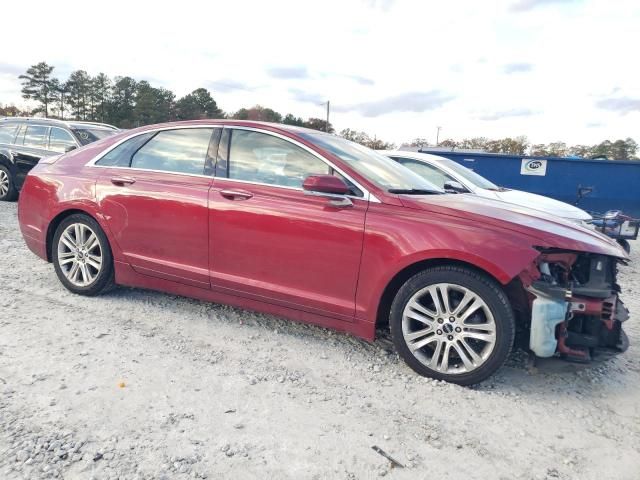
454	187
69	148
328	184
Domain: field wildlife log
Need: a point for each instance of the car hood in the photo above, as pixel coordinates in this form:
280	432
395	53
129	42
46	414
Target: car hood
545	230
539	202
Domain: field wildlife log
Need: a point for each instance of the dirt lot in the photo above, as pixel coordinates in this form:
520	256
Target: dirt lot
138	384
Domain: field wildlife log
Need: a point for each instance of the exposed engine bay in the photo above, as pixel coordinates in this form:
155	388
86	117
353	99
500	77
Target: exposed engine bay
574	305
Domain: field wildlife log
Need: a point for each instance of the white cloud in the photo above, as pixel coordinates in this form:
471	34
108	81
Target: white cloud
405	102
525	5
517	68
514	112
378	62
623	105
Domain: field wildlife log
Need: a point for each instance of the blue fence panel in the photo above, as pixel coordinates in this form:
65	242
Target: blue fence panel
614	184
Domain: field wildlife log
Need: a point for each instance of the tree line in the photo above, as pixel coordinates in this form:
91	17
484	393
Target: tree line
127	103
623	149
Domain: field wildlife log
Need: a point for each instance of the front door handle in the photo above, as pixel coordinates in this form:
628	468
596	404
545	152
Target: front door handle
236	194
121	181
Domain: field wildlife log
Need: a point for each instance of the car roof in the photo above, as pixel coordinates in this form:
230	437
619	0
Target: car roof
56	122
282	127
279	127
413	155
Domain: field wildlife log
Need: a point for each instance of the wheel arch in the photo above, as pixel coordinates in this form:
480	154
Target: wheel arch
57	220
392	287
5	159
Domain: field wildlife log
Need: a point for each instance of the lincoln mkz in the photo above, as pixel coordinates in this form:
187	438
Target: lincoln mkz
310	226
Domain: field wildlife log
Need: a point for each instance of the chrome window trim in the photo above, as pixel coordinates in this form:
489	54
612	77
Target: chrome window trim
298	189
128	169
249	182
91	163
367	196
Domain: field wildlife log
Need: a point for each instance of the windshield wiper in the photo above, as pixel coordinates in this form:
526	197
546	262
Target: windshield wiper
414	191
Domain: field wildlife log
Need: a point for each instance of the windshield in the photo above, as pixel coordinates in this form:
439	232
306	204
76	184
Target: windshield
379	169
469	175
89	135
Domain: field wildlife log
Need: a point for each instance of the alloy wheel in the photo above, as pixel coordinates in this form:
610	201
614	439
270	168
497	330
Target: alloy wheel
80	254
449	328
4	183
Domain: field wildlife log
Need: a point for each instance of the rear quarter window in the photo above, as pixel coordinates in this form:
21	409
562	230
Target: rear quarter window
90	135
121	155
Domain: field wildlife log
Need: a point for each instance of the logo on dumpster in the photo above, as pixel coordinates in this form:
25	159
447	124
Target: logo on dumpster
533	167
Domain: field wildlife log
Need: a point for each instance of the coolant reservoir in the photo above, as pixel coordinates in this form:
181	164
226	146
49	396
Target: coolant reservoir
546	314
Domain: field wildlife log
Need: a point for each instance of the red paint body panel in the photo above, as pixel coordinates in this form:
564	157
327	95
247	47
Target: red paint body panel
398	237
125	275
548	230
159	222
278	250
286	247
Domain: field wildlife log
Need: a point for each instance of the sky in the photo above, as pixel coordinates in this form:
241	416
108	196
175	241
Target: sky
548	69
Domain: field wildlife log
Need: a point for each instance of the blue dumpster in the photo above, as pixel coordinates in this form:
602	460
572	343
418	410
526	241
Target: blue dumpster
593	185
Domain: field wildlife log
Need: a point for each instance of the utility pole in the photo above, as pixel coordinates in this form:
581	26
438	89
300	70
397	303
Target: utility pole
327	126
438	136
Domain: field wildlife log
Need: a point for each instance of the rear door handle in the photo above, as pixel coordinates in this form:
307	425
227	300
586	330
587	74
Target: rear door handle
121	181
236	194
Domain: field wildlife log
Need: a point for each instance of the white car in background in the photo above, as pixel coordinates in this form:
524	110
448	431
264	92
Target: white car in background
454	178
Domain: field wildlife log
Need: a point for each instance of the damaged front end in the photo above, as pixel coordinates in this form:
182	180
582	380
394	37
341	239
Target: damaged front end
574	305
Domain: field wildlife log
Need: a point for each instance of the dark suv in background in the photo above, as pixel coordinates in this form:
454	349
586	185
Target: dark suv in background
24	141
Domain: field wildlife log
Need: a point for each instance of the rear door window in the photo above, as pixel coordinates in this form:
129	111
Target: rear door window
179	151
60	140
8	133
36	136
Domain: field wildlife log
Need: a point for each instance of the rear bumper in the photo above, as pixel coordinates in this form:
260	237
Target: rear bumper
30	217
36	246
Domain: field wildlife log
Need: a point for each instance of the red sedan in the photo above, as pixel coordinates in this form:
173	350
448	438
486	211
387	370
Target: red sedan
310	226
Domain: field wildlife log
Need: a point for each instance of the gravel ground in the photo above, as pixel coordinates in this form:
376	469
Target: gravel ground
143	385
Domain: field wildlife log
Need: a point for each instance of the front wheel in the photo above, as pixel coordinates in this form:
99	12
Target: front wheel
452	323
82	256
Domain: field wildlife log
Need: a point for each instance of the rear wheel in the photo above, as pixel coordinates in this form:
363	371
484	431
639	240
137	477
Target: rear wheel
82	256
452	323
8	189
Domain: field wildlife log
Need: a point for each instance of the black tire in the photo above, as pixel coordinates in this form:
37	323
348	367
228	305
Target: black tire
625	244
479	284
12	192
105	278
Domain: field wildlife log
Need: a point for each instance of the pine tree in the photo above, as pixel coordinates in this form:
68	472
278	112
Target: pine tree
78	87
37	85
102	92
